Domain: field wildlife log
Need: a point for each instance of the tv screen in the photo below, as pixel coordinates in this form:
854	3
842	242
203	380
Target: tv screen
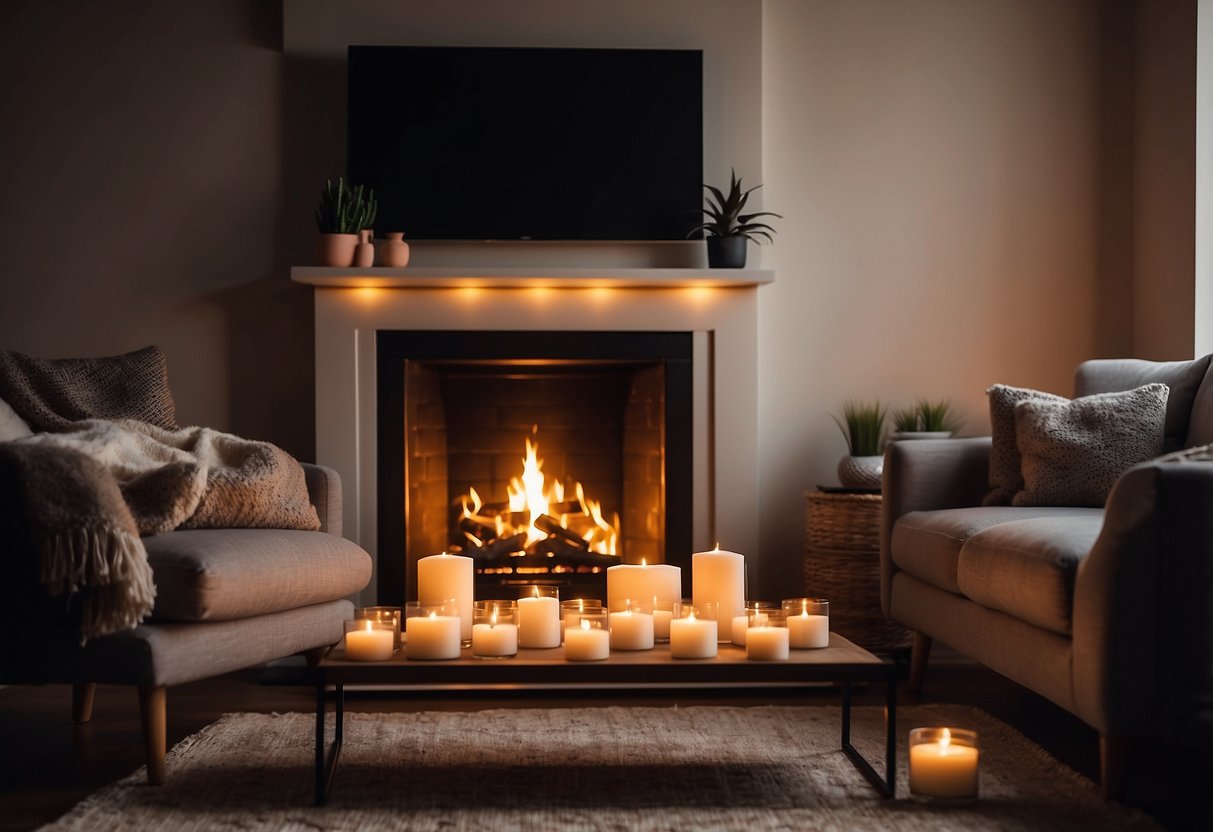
528	144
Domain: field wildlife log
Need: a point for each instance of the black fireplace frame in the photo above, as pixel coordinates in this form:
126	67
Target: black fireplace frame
394	347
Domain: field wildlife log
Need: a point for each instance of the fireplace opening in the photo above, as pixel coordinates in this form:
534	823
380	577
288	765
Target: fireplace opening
544	456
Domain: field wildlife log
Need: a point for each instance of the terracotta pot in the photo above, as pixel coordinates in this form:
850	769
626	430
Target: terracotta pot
364	252
727	252
860	471
395	252
336	249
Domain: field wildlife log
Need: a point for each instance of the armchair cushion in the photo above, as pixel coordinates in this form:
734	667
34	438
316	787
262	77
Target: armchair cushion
1006	477
223	574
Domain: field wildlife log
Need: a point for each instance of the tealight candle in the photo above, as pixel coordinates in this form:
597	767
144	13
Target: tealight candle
589	640
693	632
572	610
631	629
369	641
767	637
539	617
943	763
432	633
449	576
718	577
494	633
808	622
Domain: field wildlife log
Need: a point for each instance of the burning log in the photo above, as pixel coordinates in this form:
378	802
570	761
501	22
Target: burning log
549	524
477	529
503	547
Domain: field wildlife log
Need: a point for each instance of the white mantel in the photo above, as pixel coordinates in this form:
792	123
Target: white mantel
719	306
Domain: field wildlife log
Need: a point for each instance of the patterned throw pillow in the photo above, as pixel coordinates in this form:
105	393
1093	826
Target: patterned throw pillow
1072	452
1006	479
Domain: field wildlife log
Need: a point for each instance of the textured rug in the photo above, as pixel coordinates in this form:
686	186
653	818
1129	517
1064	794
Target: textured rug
605	769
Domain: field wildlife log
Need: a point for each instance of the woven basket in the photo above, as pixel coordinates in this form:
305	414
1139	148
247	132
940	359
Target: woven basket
842	564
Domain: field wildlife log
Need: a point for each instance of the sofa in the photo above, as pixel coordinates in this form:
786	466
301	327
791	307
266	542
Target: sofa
1105	610
225	598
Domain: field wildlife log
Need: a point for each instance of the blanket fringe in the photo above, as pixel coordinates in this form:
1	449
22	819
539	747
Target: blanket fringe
110	564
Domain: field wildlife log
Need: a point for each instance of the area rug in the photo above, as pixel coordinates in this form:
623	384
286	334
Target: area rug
605	769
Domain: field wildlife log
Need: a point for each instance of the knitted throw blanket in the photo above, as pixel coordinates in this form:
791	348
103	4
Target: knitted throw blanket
90	492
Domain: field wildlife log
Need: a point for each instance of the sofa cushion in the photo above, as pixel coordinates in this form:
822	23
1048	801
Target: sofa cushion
1183	379
1200	425
927	544
1072	452
1026	568
1005	476
222	574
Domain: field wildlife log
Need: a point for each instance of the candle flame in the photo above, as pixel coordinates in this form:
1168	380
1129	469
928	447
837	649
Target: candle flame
366	625
493	618
535	593
433	614
644	562
627	606
945	740
804	608
585	624
691	616
580	605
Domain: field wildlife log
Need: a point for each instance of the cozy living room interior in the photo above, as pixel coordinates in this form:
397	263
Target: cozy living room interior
282	501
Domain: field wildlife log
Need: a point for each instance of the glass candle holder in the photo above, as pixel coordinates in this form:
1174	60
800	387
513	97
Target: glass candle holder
741	618
661	619
494	629
385	614
693	630
766	639
538	616
808	622
943	764
432	630
571	611
632	627
589	640
368	640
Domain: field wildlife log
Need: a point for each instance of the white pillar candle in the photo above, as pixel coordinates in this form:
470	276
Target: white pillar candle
767	643
741	623
660	583
943	769
692	638
807	631
583	643
661	624
719	577
494	639
367	644
539	622
631	630
432	636
444	576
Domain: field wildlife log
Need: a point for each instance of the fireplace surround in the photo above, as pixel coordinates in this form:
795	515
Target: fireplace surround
717	310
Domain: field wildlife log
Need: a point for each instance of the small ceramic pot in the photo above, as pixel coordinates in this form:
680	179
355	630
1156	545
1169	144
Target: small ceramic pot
860	471
395	252
364	252
336	249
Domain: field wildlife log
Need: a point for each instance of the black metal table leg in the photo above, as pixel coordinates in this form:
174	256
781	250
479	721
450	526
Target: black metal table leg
886	786
326	763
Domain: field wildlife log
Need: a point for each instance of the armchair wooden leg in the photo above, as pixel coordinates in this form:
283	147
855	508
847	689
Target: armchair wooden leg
1113	766
920	651
152	712
82	701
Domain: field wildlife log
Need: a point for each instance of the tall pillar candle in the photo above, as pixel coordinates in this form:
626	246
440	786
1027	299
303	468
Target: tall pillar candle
718	577
448	576
660	583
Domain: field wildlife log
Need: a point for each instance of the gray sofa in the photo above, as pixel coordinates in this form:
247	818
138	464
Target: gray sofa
226	599
1108	612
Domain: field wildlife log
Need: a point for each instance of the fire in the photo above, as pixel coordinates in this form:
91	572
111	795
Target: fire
537	511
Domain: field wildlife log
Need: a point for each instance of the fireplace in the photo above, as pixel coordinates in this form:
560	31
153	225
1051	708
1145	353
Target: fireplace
544	456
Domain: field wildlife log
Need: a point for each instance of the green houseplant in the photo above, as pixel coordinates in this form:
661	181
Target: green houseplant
727	229
863	426
344	211
925	420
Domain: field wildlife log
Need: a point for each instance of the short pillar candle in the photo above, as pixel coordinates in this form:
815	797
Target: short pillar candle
693	631
494	631
943	763
767	637
741	618
539	617
368	640
431	630
589	640
808	622
632	628
660	583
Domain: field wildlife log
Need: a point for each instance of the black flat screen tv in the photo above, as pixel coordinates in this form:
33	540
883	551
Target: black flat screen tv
470	143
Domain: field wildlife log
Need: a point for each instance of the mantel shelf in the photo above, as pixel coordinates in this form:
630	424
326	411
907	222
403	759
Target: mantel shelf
524	278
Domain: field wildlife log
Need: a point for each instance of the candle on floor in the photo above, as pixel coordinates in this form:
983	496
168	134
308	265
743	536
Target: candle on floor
718	577
539	617
767	637
808	622
588	640
494	633
431	632
369	641
660	582
448	576
943	763
631	629
693	632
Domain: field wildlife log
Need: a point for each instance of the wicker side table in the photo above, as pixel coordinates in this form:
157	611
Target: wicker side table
842	565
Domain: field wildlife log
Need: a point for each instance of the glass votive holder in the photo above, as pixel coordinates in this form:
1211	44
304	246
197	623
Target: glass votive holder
632	627
572	609
661	620
943	764
693	630
589	640
494	629
538	616
368	640
741	618
385	614
808	622
432	630
766	639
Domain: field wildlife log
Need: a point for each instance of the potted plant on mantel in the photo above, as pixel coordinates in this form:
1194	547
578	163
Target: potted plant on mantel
862	425
344	212
727	229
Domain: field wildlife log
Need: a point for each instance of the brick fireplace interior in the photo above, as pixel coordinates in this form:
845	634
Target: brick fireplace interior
608	417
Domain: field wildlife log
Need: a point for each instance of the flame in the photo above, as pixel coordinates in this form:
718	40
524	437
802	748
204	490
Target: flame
493	618
585	624
945	740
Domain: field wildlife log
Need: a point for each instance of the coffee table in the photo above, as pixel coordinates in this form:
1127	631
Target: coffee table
842	662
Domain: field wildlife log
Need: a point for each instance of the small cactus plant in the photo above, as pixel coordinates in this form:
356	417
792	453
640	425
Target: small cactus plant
345	209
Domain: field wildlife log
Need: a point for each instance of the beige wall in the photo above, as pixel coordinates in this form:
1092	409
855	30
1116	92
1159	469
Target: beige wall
1204	180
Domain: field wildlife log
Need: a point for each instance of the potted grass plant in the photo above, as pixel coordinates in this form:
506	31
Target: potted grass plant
728	230
863	426
925	420
344	211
